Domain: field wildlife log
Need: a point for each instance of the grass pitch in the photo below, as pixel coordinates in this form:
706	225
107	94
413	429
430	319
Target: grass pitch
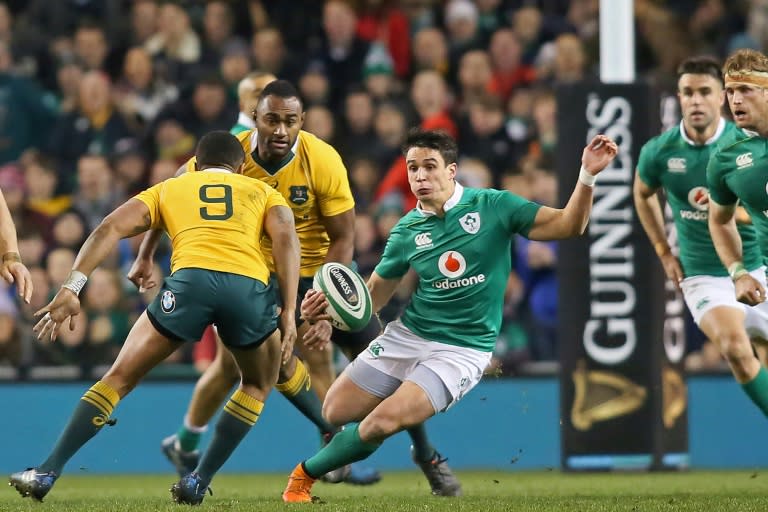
741	491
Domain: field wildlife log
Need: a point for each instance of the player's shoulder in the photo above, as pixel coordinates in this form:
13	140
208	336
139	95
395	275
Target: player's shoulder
246	138
313	143
670	137
734	139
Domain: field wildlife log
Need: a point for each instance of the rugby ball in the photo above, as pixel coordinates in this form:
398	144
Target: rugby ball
349	301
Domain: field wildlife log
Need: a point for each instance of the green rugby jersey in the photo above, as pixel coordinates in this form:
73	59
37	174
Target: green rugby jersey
738	171
675	163
463	262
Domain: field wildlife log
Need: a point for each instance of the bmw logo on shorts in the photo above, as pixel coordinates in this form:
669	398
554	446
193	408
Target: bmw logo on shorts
168	301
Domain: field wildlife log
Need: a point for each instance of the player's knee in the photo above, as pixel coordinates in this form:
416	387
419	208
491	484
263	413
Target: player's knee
734	346
226	366
378	426
334	412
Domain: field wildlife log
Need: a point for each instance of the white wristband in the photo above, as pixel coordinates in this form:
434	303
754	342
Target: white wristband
75	282
585	178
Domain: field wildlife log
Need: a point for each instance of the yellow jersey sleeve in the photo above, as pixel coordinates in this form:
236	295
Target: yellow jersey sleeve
330	180
151	198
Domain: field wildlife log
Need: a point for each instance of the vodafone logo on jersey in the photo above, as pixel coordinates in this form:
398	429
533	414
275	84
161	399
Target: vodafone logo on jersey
453	265
698	197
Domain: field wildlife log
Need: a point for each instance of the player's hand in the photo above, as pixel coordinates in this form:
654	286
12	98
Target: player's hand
672	269
288	334
142	274
65	306
749	290
598	154
318	336
314	306
14	272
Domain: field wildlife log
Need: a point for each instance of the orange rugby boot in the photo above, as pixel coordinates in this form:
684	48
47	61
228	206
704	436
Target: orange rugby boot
299	486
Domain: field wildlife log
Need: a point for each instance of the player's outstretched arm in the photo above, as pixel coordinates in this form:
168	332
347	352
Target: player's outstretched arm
130	219
725	236
286	254
12	269
649	212
559	223
141	272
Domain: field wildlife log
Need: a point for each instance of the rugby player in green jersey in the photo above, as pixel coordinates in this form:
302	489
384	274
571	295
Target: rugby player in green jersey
738	173
676	161
455	240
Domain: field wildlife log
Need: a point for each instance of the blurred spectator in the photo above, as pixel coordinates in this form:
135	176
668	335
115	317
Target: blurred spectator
563	61
536	266
474	173
26	112
544	112
58	264
218	33
14	187
509	71
527	26
385	22
91	48
96	194
319	121
342	52
390	126
484	136
95	127
175	46
144	21
69	74
364	174
234	66
208	108
69	230
356	133
32	245
519	123
474	78
430	52
378	75
42	182
172	142
314	85
462	26
108	320
140	94
368	245
130	167
271	56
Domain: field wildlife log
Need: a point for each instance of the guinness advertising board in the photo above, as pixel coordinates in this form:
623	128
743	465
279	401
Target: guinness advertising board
623	399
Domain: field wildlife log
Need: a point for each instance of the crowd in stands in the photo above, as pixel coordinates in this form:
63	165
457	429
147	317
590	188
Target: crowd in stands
101	98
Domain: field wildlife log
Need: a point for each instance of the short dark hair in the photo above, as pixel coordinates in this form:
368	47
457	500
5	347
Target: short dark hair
219	148
701	65
282	89
432	139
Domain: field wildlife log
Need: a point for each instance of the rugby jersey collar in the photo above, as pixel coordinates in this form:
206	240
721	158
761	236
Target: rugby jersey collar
246	120
216	169
450	203
713	138
267	166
